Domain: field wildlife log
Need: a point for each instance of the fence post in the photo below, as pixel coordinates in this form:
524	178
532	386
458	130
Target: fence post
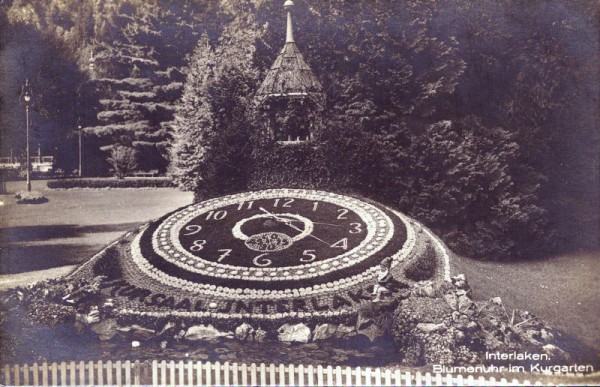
378	376
329	375
253	374
199	373
311	375
427	379
263	374
109	372
91	375
470	380
408	379
388	377
100	372
118	368
26	375
7	380
338	376
358	376
348	375
301	375
127	373
154	373
137	370
171	367
418	378
236	380
72	373
17	375
320	375
460	380
368	381
244	374
397	377
217	368
492	381
190	373
281	375
226	379
438	379
36	376
54	372
291	373
208	373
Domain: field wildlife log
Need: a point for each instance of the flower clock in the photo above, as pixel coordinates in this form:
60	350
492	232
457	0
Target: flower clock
269	254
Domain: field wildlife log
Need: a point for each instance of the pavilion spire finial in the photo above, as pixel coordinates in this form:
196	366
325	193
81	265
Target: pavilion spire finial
289	38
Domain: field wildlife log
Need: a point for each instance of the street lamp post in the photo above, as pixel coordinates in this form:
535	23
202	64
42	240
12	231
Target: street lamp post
80	163
27	98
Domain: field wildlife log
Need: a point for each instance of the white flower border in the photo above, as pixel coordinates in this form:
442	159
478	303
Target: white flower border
165	240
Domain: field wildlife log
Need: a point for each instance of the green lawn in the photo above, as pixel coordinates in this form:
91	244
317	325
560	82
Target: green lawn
563	290
74	224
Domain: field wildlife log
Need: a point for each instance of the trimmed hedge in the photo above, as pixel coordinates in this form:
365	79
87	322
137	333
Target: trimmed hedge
159	182
424	267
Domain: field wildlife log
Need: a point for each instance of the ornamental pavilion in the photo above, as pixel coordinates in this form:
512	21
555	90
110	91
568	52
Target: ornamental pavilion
290	97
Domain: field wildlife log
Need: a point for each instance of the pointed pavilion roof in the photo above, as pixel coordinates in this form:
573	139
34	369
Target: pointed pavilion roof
289	75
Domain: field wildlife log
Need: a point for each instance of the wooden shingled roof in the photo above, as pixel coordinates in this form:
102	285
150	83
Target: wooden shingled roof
289	75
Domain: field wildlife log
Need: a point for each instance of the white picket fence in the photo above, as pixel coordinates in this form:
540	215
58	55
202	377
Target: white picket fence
197	373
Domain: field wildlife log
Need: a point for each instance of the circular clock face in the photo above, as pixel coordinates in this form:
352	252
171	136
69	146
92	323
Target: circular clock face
272	239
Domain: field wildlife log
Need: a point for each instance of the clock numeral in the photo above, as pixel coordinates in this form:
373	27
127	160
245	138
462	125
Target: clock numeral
342	213
341	244
315	205
198	245
216	215
309	256
260	261
226	253
248	207
193	229
356	228
288	203
276	202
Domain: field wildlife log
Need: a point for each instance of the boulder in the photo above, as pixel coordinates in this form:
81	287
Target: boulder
324	331
345	331
430	327
451	300
92	317
260	335
204	332
496	301
244	332
138	332
298	333
106	329
464	303
167	328
372	332
363	322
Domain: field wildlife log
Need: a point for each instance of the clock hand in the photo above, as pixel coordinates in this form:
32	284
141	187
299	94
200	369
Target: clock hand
327	224
289	223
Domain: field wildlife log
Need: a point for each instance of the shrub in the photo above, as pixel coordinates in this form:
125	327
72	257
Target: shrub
111	183
30	197
424	266
122	160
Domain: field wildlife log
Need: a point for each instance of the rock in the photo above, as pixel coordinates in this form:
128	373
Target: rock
345	331
496	301
372	332
106	329
298	333
260	335
244	332
429	291
168	326
324	331
430	327
92	317
163	344
363	322
464	303
204	332
451	300
138	332
135	344
547	336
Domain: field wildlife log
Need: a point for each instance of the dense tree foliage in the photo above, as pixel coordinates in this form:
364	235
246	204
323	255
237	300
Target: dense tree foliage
478	118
